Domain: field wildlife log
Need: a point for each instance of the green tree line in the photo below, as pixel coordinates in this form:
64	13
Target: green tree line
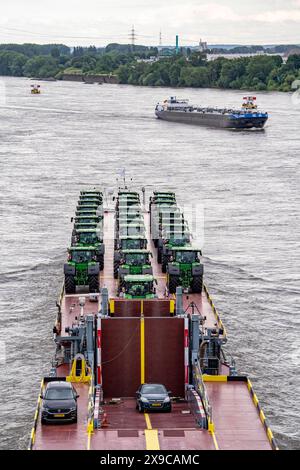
257	73
261	72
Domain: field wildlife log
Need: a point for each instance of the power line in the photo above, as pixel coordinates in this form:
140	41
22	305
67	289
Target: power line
57	35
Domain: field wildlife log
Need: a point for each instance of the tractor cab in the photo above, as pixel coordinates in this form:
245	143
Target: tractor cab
133	242
90	198
91	192
185	255
132	217
86	226
169	239
81	269
133	262
92	203
138	287
128	204
177	237
125	193
88	237
175	226
169	194
88	212
134	228
161	197
82	219
184	269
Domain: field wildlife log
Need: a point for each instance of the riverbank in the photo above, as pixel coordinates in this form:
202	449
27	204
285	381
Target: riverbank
90	78
257	73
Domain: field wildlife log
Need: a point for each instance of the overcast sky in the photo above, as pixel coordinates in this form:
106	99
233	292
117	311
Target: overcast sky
99	22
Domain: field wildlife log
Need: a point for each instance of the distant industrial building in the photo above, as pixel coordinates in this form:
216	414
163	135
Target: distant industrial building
202	46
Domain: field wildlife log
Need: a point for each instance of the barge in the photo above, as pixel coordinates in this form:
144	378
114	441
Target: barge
247	117
123	321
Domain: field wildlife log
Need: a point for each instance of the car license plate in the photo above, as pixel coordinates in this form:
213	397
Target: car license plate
59	415
155	404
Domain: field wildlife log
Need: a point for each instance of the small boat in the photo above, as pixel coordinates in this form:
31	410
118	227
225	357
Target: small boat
35	89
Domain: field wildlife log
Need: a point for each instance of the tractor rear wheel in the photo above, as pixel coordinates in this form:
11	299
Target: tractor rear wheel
94	283
116	264
101	262
164	263
197	284
116	269
173	283
70	285
159	255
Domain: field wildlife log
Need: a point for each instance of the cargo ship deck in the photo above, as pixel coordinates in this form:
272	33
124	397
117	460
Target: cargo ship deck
143	342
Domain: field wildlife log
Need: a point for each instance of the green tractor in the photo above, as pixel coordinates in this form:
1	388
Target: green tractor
132	217
128	229
137	286
82	269
82	222
159	196
91	192
185	270
167	242
92	204
132	262
123	206
90	237
133	242
166	210
169	226
89	212
91	195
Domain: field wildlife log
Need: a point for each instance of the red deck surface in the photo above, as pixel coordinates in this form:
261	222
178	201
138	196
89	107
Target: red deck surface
126	429
65	436
70	309
237	423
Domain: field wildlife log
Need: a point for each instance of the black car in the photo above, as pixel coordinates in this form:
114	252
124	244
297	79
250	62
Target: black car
59	403
154	397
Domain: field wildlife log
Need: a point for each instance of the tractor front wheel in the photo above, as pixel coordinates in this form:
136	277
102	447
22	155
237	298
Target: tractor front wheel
70	285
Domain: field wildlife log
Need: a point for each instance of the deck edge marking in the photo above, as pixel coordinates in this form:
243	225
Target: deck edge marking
262	417
215	441
36	417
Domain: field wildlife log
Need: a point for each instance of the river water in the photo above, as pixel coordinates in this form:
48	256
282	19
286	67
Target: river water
75	135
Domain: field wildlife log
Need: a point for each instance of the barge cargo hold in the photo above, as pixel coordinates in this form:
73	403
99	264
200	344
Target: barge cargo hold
110	342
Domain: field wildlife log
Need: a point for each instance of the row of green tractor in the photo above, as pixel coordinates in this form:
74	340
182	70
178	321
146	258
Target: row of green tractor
132	260
86	253
173	240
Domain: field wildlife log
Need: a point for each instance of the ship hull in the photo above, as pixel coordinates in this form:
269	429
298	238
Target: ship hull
214	120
